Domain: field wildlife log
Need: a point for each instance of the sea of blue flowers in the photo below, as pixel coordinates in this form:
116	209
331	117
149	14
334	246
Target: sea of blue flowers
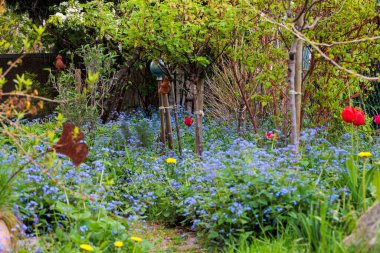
244	183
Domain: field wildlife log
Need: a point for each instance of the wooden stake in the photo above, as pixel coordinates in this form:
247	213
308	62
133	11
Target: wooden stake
198	95
162	120
78	79
168	124
176	115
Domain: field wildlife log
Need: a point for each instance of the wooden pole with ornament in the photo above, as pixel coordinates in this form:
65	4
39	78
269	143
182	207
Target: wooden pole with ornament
164	90
164	107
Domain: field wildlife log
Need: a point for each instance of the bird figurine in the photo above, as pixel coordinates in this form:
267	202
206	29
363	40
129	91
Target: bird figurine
164	68
59	64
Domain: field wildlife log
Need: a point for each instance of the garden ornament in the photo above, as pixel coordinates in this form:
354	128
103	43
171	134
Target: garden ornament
164	86
156	70
71	144
59	64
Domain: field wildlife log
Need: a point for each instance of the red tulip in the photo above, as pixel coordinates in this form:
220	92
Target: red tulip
376	119
359	118
59	64
269	135
188	121
348	114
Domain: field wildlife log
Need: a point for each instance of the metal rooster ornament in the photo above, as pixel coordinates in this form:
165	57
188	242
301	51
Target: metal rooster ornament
59	63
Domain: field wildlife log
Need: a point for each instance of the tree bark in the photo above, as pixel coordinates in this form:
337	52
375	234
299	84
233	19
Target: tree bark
243	95
291	76
298	76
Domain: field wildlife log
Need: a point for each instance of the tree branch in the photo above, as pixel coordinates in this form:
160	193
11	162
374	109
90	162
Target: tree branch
314	44
313	24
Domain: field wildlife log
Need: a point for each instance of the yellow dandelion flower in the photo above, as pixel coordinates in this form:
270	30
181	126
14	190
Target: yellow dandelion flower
136	239
118	244
171	160
365	154
153	158
86	247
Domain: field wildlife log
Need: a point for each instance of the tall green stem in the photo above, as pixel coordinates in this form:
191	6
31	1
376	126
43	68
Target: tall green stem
364	185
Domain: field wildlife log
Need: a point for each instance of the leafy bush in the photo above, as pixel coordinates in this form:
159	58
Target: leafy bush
84	104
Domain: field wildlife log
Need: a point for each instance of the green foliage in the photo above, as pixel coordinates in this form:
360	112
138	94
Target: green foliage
94	228
7	195
15	29
144	134
285	244
315	227
83	105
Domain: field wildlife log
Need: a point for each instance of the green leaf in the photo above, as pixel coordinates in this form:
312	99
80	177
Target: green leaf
376	184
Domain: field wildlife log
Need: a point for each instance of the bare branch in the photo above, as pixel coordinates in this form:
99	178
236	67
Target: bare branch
313	24
20	94
13	65
315	45
347	42
301	12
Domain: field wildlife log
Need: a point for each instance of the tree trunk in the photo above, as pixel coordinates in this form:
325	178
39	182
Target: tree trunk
292	92
298	77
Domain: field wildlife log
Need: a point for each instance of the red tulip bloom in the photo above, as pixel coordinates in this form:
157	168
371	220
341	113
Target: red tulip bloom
269	135
376	119
188	121
359	118
348	114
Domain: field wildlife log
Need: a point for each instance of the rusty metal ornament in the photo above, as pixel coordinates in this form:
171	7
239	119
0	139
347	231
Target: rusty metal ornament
164	86
71	144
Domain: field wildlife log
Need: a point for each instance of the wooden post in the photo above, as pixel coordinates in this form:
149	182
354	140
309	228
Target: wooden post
198	96
168	124
78	79
162	118
176	115
240	116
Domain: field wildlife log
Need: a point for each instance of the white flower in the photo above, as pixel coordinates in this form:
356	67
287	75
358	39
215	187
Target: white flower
61	16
